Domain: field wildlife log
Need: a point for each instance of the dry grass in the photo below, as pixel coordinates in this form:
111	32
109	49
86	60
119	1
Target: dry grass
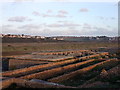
7	47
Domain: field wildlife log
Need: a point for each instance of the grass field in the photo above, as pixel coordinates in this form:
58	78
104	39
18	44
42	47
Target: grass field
17	48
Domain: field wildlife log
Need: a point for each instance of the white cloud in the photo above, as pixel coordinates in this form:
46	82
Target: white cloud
63	25
113	18
49	11
60	15
63	12
87	26
30	26
9	29
107	18
84	10
36	13
19	19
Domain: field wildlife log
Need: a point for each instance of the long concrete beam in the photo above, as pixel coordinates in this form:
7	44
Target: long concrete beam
56	71
80	71
111	73
45	60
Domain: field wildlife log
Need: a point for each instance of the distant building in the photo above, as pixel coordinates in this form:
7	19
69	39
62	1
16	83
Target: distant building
42	37
60	38
113	38
63	38
73	38
102	38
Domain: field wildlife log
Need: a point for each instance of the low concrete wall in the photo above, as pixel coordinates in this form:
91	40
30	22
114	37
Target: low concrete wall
61	53
17	64
33	69
80	71
29	84
110	74
56	71
5	64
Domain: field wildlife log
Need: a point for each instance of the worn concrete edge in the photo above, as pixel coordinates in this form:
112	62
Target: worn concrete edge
29	84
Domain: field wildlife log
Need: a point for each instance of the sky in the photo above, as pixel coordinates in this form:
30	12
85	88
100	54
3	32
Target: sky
60	18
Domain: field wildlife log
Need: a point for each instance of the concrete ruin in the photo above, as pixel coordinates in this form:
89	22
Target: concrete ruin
59	73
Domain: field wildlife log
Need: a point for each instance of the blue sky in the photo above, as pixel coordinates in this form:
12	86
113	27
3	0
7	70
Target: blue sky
60	18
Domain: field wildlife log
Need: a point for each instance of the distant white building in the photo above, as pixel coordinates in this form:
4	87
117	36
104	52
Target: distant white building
54	38
60	38
1	35
42	37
